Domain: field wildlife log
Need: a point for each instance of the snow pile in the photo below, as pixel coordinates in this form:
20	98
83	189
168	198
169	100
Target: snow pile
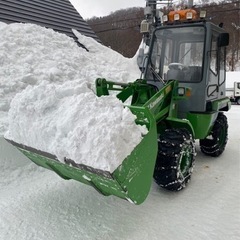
30	54
50	81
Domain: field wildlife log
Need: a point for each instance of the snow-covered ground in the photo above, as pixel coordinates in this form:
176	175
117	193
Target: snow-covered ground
36	204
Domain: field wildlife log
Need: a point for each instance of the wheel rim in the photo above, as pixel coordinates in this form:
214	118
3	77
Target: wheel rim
222	136
186	160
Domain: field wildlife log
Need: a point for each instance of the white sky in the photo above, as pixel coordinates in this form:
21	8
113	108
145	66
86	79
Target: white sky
98	8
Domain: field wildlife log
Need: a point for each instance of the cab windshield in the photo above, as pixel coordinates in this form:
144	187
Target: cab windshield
177	53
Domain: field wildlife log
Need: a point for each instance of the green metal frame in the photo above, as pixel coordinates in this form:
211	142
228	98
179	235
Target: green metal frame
162	103
157	110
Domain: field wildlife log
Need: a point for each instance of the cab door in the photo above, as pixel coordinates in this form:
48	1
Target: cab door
217	73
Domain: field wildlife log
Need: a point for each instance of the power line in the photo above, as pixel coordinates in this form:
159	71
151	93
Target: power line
115	21
228	10
116	29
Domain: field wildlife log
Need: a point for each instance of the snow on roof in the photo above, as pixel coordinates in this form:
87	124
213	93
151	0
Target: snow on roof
58	15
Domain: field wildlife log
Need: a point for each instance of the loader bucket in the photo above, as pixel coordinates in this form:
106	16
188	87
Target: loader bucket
131	180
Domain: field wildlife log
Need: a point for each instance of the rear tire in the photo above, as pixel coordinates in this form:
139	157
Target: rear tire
238	101
214	144
175	161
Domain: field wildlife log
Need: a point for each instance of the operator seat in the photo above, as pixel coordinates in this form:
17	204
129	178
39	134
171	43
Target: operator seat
175	74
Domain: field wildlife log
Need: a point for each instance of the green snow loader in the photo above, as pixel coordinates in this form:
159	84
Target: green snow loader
179	98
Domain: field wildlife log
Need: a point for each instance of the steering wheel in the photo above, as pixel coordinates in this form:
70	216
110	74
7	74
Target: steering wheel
177	66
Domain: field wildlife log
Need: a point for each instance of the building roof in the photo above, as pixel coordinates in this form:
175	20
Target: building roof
59	15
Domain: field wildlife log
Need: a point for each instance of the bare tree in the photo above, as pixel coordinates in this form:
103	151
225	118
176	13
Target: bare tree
120	30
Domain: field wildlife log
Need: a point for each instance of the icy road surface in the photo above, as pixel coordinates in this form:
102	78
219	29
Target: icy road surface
36	204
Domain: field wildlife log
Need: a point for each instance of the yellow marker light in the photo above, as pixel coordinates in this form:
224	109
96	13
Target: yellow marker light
165	18
189	15
145	27
203	14
182	15
176	17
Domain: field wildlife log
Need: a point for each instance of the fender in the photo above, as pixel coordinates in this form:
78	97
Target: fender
180	123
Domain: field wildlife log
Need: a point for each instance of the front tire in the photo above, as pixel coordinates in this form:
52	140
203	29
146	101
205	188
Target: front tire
214	144
175	161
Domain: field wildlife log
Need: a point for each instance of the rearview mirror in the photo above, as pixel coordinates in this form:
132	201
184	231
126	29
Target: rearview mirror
223	39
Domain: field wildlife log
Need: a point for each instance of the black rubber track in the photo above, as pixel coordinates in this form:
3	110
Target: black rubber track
175	161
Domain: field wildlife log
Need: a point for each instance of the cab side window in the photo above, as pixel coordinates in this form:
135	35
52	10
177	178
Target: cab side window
222	65
213	55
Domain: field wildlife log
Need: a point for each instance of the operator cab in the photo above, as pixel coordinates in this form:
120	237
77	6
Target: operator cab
194	54
177	53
